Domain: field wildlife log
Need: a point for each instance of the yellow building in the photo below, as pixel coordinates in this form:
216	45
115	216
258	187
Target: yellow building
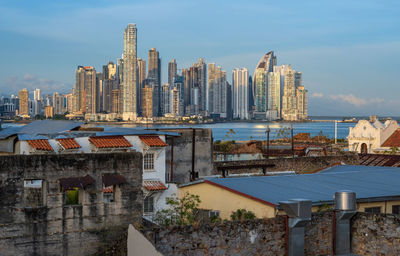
23	96
376	189
49	111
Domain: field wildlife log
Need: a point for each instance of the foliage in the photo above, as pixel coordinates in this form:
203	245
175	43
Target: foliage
181	211
229	134
224	146
283	133
112	241
243	214
394	150
215	219
72	196
324	207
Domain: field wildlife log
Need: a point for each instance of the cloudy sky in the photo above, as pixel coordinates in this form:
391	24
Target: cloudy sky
348	51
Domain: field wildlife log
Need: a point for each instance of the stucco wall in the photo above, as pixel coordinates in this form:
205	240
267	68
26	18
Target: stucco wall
56	228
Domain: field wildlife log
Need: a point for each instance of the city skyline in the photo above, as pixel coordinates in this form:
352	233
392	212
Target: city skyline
343	58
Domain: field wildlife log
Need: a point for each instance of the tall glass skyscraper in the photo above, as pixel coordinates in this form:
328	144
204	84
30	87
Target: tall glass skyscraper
129	82
240	79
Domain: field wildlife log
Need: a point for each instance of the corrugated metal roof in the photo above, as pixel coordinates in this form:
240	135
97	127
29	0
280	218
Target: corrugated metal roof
134	131
9	131
393	140
49	126
367	182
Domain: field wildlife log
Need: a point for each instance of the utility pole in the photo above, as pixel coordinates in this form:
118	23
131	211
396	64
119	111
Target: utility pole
267	132
335	131
291	131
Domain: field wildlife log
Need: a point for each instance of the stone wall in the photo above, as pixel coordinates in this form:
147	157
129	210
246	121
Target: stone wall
298	164
56	228
203	155
372	234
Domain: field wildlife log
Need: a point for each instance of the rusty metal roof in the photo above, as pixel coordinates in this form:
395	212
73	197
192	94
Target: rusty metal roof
393	140
110	142
153	141
154	185
69	143
40	145
76	182
113	179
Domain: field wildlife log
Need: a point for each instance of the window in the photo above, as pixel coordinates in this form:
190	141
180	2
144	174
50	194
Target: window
34	193
148	204
213	214
373	209
396	209
108	194
148	161
72	196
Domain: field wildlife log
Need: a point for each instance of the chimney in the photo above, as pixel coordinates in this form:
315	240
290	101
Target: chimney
299	213
345	209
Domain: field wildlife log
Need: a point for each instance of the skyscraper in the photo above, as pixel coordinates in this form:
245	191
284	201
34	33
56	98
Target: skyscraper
289	104
142	77
154	79
23	96
217	91
165	99
260	84
172	71
129	80
301	95
85	90
274	96
147	101
37	95
196	88
240	79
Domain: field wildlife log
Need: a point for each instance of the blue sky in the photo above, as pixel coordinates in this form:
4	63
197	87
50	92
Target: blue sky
348	51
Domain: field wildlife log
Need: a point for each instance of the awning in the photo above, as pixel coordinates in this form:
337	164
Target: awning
153	141
113	179
76	182
40	145
69	143
110	142
153	185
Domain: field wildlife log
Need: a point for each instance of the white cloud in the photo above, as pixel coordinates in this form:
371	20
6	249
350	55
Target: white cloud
31	82
317	95
354	100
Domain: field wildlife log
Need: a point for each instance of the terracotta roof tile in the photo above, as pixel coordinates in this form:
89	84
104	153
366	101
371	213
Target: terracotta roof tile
393	140
69	143
40	145
153	141
109	189
153	185
110	142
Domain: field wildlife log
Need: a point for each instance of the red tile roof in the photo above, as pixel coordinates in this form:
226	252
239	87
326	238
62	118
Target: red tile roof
153	185
393	140
110	142
153	141
69	143
40	145
109	189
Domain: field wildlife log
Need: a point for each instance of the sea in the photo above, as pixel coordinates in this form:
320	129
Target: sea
242	131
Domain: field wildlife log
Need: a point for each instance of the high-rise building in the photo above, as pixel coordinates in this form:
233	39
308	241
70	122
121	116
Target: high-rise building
176	104
58	103
198	87
260	84
85	90
69	99
172	71
289	104
274	96
23	96
301	95
129	77
251	99
186	89
154	79
142	78
37	95
298	79
165	99
217	91
147	101
240	95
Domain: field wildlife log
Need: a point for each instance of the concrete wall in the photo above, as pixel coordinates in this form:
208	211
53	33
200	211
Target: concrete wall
372	234
56	228
203	159
298	164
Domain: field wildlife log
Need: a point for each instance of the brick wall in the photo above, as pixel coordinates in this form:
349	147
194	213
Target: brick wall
56	228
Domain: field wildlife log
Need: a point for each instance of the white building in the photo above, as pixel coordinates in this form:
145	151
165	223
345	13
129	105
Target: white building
367	137
240	93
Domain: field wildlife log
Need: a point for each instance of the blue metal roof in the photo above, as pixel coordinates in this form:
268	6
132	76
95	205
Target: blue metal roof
49	126
134	131
320	187
9	131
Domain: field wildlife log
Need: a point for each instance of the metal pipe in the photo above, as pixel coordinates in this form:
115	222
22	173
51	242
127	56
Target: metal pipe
192	175
172	159
345	209
291	131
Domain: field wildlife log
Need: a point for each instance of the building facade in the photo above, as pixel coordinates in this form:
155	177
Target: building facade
240	83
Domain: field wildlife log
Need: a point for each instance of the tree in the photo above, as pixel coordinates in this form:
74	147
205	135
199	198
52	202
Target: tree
243	214
181	211
283	133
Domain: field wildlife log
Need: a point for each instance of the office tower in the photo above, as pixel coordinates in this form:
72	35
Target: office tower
251	99
240	80
147	101
289	106
165	99
217	91
141	82
109	71
99	92
49	111
298	79
176	104
116	101
186	89
129	77
274	96
154	79
23	96
229	99
198	88
58	103
37	95
172	71
85	90
301	95
260	84
69	100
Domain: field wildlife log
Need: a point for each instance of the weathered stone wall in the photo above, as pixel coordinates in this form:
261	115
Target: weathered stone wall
372	234
203	157
56	228
376	234
298	164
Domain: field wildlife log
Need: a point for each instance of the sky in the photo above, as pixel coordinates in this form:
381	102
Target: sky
348	51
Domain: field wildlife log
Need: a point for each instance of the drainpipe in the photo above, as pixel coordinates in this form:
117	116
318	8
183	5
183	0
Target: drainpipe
299	213
192	174
172	160
345	209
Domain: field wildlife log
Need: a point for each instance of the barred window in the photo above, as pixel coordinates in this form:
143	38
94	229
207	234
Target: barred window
375	210
148	204
148	161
